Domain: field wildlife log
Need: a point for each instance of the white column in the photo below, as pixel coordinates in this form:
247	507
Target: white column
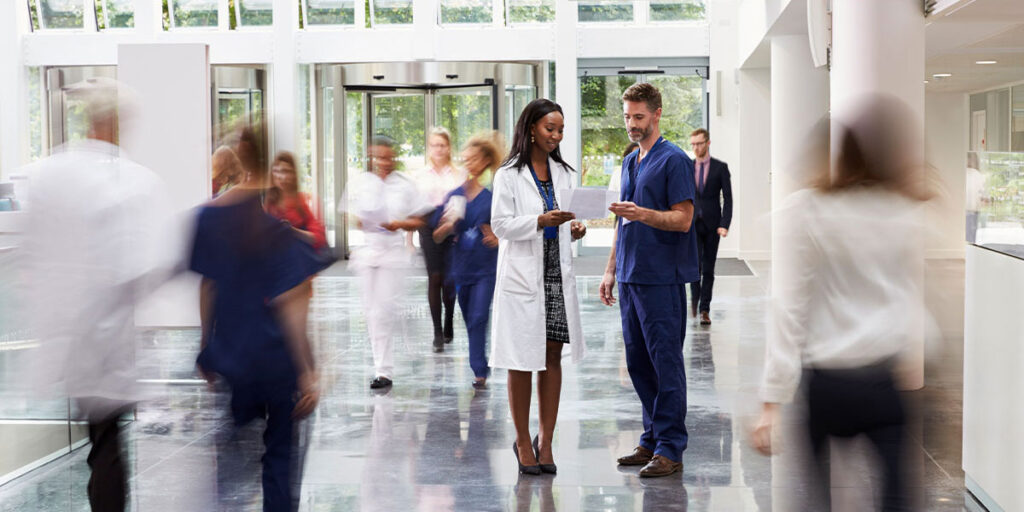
14	113
283	79
878	48
567	89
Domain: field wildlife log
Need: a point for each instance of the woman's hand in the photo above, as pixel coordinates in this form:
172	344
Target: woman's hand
490	240
761	437
578	229
554	218
309	390
443	231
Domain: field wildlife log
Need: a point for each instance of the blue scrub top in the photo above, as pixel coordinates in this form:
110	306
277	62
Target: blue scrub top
252	258
645	255
471	260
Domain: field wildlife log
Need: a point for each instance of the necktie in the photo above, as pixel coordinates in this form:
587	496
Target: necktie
700	178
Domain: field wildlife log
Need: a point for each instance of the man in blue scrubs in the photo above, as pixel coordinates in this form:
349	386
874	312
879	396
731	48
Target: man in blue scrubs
653	257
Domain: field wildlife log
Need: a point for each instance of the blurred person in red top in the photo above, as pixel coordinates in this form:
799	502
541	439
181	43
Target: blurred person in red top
285	202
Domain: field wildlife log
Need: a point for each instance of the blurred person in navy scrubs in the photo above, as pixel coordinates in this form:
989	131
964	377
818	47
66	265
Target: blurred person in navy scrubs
95	245
475	251
847	299
252	306
653	258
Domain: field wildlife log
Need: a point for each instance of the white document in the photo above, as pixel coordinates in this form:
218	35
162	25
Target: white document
587	203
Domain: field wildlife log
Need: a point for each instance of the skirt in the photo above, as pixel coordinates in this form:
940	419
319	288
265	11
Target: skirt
554	300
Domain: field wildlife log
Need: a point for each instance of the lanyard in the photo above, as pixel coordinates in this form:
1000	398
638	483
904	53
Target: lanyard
549	200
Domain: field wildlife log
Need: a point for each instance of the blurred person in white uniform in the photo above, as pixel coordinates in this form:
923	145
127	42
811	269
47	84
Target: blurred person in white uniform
847	297
385	203
93	250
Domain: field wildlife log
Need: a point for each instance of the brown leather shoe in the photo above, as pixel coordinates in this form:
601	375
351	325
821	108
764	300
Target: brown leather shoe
660	466
705	318
639	457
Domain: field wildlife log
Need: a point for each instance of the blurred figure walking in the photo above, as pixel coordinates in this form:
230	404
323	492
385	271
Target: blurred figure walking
227	170
92	251
466	218
435	182
848	297
384	202
254	302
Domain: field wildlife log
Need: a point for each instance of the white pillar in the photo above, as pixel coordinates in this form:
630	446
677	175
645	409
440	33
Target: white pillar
567	89
878	48
283	80
14	113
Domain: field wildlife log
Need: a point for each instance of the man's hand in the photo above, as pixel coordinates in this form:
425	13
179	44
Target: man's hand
629	210
722	232
761	437
309	389
208	376
607	289
578	230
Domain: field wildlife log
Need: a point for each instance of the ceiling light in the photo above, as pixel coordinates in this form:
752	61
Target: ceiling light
942	75
926	81
985	62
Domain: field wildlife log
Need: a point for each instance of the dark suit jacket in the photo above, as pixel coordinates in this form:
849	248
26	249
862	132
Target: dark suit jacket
715	203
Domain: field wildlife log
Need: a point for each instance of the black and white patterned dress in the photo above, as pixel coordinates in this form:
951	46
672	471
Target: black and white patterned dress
554	300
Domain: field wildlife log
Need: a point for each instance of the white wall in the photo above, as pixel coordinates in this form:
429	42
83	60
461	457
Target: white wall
946	142
723	116
172	113
753	179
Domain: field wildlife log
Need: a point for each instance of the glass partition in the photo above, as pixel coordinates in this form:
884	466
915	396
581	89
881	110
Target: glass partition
529	11
464	113
330	12
118	14
467	11
61	13
254	13
994	201
391	12
677	10
1017	119
605	10
193	13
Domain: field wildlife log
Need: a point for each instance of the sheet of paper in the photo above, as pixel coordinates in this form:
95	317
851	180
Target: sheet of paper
587	203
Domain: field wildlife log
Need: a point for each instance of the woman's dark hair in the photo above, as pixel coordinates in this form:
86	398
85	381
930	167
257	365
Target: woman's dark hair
519	156
631	147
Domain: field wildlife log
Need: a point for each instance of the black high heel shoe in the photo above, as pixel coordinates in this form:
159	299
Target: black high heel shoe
526	470
544	468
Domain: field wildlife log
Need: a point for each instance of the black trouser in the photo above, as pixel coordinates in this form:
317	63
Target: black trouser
845	403
108	481
440	290
707	254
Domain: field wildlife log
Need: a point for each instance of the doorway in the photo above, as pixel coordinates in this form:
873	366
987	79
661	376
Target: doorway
403	101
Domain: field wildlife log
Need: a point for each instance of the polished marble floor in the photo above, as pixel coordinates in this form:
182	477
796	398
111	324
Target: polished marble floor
434	444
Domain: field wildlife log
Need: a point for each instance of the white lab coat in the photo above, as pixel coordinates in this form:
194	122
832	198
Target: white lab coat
518	330
96	244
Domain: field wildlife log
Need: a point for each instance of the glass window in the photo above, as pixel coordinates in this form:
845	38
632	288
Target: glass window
254	13
401	116
193	13
355	153
1017	121
605	10
467	11
677	10
516	99
61	13
330	12
392	12
464	113
35	112
118	14
530	11
682	98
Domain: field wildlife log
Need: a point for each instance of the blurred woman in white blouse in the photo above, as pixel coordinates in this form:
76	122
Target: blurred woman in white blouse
847	296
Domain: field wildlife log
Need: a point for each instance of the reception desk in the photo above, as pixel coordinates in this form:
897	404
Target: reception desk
993	443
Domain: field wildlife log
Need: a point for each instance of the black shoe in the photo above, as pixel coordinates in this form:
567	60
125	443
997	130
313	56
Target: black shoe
526	470
380	382
438	344
480	384
544	468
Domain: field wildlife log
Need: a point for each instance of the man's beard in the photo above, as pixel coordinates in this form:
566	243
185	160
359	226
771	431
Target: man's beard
637	136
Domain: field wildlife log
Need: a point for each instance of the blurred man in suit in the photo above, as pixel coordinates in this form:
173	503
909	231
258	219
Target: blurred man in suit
713	216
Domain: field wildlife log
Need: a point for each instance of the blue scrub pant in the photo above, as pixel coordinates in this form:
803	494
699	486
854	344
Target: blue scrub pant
653	329
475	302
281	459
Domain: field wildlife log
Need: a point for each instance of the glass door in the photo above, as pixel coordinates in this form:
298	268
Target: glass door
603	133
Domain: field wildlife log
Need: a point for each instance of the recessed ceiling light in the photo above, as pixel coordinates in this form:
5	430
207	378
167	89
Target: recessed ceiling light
926	81
985	62
942	75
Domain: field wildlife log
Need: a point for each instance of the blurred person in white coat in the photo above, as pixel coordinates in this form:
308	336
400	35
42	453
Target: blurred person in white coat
536	309
385	203
93	250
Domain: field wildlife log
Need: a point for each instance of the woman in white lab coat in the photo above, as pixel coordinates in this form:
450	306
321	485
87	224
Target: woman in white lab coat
536	310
